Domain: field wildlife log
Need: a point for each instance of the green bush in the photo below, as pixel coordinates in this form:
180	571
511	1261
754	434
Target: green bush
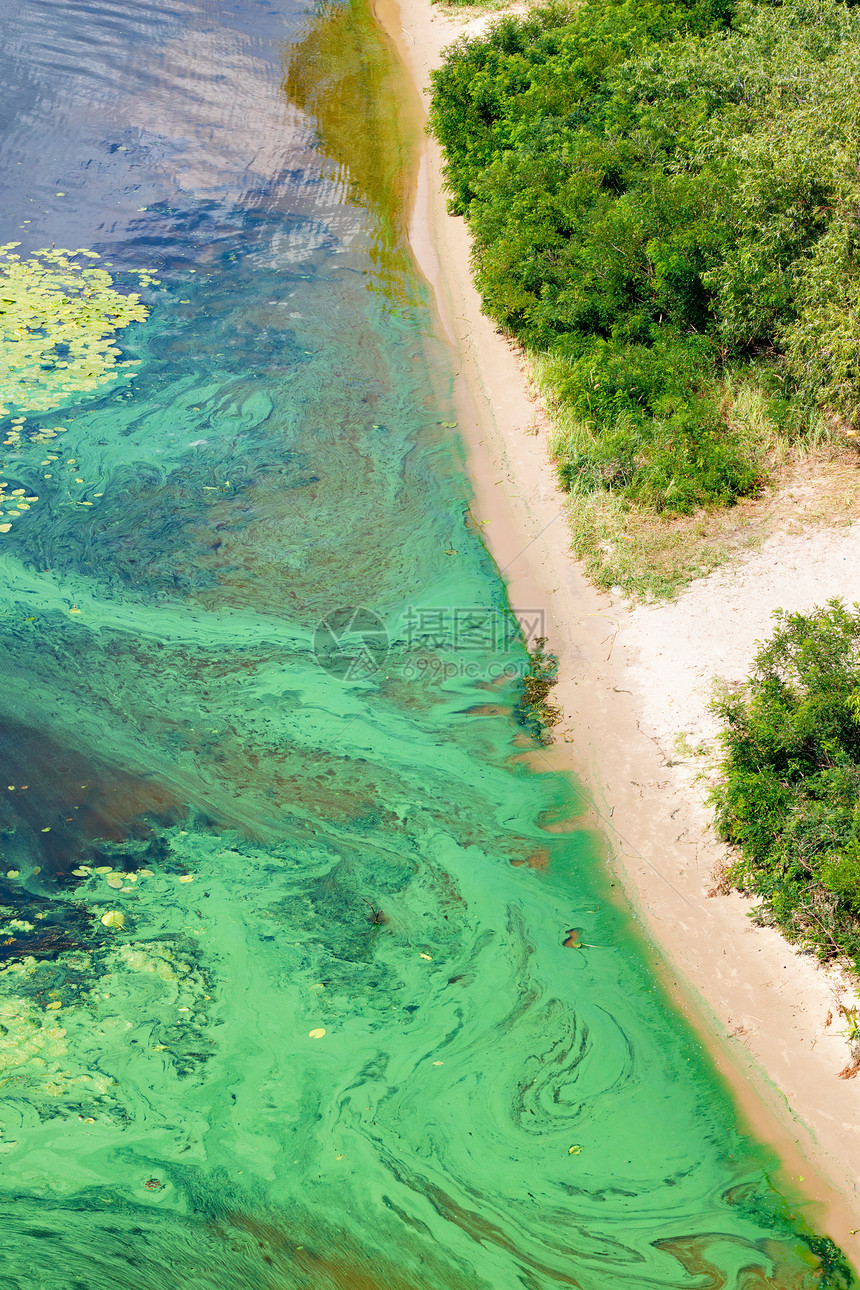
789	800
653	436
661	194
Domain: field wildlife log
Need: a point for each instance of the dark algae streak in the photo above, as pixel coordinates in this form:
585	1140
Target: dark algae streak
284	1005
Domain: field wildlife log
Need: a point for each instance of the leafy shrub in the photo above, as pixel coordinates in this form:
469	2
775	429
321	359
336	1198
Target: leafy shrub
790	797
652	436
660	194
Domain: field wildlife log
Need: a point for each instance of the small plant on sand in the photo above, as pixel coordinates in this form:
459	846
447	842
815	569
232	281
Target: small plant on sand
852	1035
686	750
534	710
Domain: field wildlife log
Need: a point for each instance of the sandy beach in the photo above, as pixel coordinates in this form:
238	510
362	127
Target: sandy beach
634	688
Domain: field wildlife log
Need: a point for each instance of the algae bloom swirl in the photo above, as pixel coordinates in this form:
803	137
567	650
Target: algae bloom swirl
289	995
58	322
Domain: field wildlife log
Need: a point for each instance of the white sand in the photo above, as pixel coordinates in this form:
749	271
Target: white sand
713	629
630	682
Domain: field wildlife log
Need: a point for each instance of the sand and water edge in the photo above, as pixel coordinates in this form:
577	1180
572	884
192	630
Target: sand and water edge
631	681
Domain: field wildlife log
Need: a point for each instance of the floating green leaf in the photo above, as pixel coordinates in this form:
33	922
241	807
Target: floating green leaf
58	320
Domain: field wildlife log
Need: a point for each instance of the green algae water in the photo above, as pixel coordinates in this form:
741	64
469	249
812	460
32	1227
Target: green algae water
285	1002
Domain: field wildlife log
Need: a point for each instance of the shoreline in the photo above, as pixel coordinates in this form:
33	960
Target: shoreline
759	1006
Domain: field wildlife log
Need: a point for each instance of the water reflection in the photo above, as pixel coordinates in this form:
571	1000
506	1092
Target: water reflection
342	73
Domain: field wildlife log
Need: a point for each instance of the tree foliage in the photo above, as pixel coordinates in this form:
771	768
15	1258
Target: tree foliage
790	795
659	192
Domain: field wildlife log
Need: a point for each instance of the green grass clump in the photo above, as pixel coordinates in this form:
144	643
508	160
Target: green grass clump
486	6
789	800
624	537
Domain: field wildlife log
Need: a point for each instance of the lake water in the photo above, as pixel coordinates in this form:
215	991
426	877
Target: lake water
258	681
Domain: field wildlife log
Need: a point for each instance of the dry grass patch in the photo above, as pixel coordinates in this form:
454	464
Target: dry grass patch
653	557
813	479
